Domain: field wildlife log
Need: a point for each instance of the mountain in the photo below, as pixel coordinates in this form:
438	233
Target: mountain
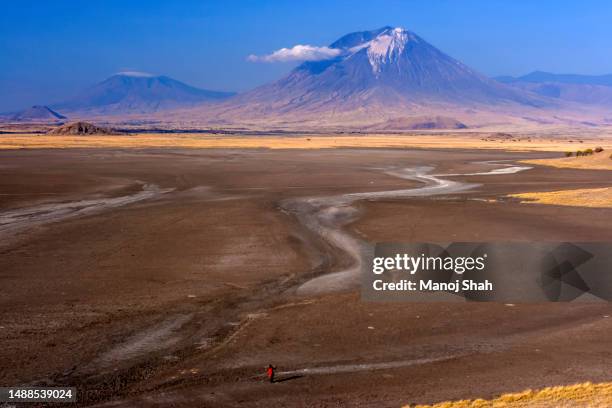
541	77
585	89
36	113
135	92
379	74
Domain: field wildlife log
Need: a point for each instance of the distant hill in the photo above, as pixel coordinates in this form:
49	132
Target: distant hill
81	128
134	92
419	123
541	77
585	89
36	113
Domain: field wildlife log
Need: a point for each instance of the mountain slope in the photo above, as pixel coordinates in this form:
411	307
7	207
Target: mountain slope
541	77
133	92
36	113
382	73
585	89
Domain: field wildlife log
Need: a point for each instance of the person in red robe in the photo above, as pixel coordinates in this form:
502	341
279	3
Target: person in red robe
270	372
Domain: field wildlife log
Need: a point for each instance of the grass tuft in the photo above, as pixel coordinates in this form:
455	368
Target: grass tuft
578	395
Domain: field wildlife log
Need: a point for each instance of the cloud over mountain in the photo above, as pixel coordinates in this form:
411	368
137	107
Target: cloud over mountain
297	53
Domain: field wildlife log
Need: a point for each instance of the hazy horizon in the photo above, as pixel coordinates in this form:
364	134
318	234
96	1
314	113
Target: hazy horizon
51	51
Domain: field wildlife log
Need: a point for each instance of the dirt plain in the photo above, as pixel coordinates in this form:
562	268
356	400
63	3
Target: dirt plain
183	298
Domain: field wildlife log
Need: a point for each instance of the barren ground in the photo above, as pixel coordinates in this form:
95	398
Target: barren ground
184	297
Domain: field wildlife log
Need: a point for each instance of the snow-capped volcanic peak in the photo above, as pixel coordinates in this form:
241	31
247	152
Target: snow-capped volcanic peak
387	71
387	47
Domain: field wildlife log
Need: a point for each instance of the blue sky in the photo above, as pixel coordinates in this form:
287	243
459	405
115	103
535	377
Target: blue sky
51	49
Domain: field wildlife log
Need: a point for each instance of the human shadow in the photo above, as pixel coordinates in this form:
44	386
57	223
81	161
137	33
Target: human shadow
289	378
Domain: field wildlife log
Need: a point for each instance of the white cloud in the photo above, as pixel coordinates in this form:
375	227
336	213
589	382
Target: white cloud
297	53
135	74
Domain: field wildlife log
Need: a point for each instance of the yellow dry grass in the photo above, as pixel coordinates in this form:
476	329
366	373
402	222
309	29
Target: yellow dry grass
586	197
597	161
579	395
199	140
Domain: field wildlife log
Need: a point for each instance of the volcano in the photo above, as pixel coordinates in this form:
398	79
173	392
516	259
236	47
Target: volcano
137	92
382	74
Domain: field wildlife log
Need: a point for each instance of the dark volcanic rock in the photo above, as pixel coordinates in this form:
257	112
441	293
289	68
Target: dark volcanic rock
82	128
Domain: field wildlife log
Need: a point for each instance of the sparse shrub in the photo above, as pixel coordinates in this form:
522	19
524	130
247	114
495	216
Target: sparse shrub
587	152
599	149
579	153
568	154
